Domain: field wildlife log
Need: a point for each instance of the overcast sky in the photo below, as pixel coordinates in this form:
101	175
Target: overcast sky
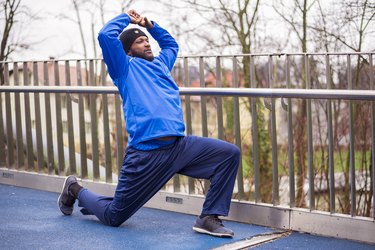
55	37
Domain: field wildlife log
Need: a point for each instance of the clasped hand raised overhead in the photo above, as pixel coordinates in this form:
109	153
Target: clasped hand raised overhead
136	18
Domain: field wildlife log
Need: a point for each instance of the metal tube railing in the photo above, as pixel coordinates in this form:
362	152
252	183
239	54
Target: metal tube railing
14	145
364	95
229	55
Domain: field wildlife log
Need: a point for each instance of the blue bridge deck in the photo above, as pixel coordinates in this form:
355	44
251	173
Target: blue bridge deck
30	219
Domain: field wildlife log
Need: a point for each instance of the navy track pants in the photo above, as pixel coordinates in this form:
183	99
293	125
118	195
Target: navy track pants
144	173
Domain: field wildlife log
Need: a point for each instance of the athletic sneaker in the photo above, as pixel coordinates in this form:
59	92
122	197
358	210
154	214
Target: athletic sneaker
66	200
212	225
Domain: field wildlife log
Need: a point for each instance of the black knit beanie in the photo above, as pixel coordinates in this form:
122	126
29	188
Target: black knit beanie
128	36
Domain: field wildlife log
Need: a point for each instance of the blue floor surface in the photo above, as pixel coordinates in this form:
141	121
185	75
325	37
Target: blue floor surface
30	219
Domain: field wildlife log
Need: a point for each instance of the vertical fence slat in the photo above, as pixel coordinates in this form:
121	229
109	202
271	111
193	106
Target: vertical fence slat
107	143
351	142
2	132
237	129
189	129
28	125
372	135
203	110
18	119
59	129
219	101
310	150
38	121
292	193
8	117
119	133
70	125
82	125
331	166
275	172
47	102
255	135
94	124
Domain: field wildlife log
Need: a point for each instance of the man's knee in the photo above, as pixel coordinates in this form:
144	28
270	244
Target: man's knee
116	219
235	152
116	222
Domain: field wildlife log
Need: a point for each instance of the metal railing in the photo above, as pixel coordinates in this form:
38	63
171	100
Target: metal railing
58	130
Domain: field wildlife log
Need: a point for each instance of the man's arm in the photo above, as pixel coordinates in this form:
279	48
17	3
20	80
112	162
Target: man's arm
168	45
113	52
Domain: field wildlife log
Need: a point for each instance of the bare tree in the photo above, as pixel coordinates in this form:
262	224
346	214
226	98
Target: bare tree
353	28
351	24
12	12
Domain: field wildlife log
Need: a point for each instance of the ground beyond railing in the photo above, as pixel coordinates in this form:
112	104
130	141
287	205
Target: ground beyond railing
59	130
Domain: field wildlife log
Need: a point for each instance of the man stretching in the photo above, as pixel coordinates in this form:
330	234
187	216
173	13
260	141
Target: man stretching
157	146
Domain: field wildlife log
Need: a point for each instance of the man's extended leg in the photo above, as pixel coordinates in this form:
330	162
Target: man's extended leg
142	175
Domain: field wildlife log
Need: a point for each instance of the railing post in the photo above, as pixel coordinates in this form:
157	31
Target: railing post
203	110
189	130
372	135
351	141
94	124
219	101
292	192
2	134
310	149
106	132
28	125
8	116
119	133
331	165
72	158
18	120
275	167
59	130
255	135
82	125
237	130
38	122
47	102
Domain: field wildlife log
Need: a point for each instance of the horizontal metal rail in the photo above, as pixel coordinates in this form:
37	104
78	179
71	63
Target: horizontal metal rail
279	54
251	92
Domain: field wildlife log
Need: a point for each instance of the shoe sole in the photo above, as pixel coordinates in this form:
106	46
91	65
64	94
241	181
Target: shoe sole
203	231
58	199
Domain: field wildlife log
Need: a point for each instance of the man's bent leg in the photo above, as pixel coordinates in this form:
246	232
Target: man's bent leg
215	160
218	161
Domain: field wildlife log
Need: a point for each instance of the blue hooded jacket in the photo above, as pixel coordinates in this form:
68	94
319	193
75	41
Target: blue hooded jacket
150	96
